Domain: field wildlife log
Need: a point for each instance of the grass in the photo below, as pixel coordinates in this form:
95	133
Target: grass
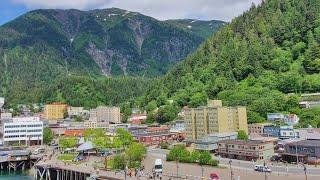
102	165
66	157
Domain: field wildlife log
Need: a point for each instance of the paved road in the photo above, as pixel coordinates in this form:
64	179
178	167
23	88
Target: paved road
247	165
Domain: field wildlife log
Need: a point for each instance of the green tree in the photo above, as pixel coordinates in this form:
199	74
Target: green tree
205	158
119	162
124	136
68	142
242	135
135	154
47	135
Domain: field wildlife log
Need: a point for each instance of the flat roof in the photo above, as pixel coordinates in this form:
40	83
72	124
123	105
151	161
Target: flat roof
242	142
312	143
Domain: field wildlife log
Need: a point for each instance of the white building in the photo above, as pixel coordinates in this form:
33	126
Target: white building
23	131
6	116
1	102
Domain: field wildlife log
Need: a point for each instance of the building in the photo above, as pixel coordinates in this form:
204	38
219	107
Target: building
23	131
91	123
1	102
246	150
310	100
210	142
55	111
308	133
275	117
287	132
178	126
77	111
6	116
257	128
137	118
77	132
106	114
291	119
271	130
307	151
214	118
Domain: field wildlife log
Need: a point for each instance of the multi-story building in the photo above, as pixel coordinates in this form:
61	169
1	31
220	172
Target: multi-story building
77	111
1	102
214	118
23	131
246	150
287	132
55	111
91	123
257	128
271	130
209	142
307	151
6	116
106	114
291	119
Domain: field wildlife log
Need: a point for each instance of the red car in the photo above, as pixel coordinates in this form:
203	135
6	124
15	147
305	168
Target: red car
214	176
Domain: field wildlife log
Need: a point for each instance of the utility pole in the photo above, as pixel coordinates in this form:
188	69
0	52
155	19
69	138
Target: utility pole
125	173
231	173
265	172
202	172
177	167
305	171
297	153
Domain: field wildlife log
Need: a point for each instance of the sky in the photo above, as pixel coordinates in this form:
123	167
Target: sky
161	9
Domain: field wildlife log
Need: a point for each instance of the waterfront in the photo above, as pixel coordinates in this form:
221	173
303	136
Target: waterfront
15	175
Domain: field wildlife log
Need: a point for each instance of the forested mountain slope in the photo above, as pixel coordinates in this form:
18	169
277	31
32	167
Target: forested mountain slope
258	60
42	47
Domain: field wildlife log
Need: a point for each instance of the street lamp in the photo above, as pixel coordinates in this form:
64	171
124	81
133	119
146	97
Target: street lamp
305	171
265	170
231	173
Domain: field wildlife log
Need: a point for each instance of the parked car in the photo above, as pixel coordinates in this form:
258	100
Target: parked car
214	176
261	168
38	151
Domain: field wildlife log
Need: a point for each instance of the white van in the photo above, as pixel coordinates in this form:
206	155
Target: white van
158	166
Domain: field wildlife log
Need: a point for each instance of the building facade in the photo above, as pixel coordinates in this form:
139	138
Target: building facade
55	111
275	117
214	118
307	151
6	116
246	150
210	142
257	128
77	111
106	114
23	131
1	102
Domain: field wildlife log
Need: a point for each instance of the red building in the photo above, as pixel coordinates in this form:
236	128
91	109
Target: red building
79	132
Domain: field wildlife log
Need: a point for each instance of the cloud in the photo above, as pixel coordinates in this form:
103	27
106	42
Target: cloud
160	9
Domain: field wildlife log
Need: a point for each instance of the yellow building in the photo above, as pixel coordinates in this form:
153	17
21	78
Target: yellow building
55	111
257	128
214	118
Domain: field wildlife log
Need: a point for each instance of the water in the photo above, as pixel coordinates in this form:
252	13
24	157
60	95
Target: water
19	175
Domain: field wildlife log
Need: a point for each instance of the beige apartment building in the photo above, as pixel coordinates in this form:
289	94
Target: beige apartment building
106	114
55	111
214	118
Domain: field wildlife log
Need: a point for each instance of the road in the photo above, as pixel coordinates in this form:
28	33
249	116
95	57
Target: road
247	165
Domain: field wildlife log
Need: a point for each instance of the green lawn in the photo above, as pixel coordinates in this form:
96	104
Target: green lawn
67	157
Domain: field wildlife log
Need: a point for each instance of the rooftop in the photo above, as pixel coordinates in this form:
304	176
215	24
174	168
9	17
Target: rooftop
242	142
310	143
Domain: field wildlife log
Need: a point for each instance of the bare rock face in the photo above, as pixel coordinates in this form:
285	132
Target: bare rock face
112	42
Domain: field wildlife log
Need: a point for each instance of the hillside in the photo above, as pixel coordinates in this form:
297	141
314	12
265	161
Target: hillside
263	59
44	46
203	29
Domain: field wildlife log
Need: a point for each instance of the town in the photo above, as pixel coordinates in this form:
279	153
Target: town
59	141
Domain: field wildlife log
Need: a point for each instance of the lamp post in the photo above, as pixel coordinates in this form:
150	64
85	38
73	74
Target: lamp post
305	171
265	172
231	173
202	172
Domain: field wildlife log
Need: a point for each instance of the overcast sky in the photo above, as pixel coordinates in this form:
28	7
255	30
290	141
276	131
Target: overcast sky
160	9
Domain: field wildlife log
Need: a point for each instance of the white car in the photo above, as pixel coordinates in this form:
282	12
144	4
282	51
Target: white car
261	168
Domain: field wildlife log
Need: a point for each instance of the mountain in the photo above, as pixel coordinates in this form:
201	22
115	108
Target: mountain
42	47
203	29
263	59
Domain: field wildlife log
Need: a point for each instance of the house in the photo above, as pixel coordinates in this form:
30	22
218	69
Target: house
287	132
137	118
76	132
210	142
246	150
275	117
308	133
178	126
306	151
1	102
6	116
77	111
271	130
291	119
310	100
257	128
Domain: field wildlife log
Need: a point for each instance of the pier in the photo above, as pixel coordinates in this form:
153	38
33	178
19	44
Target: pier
13	160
